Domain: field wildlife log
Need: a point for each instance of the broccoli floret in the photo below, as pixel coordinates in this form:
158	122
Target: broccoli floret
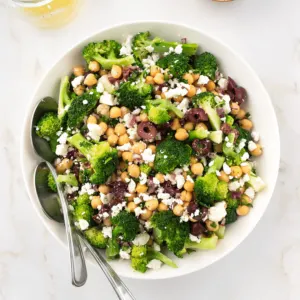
84	175
112	249
143	40
141	256
232	205
158	110
228	150
125	225
206	243
134	94
221	191
207	101
83	199
243	134
145	169
170	230
206	64
64	99
107	54
51	183
95	237
48	125
178	64
80	107
171	154
205	188
102	157
83	211
68	179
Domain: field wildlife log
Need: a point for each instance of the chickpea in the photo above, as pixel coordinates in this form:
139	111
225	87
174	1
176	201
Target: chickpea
134	171
115	112
246	199
141	188
113	177
131	197
144	117
131	206
236	171
123	139
64	165
127	156
188	126
181	134
103	127
120	129
160	177
197	168
152	204
178	210
138	148
203	89
235	108
116	71
112	139
124	176
246	169
193	160
246	124
152	148
178	98
110	131
189	186
188	77
92	120
96	202
196	77
107	221
192	91
211	226
215	93
210	86
218	148
79	90
146	215
151	164
241	114
257	151
159	78
201	126
163	95
154	70
94	66
186	196
103	109
157	92
104	189
162	207
149	80
223	176
90	80
103	72
124	111
78	71
186	204
242	210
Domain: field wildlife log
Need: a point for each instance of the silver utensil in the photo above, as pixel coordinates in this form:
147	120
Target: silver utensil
50	204
42	148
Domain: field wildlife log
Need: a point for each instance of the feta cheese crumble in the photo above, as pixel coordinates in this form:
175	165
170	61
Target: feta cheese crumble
250	192
154	264
61	150
107	99
107	231
194	238
83	224
217	212
85	102
77	81
251	146
124	254
126	47
141	239
226	168
203	79
148	156
178	49
255	135
95	131
131	186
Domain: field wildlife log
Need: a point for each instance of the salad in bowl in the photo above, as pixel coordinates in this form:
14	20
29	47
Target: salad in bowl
154	149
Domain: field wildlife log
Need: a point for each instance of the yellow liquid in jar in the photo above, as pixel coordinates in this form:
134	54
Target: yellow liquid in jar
51	13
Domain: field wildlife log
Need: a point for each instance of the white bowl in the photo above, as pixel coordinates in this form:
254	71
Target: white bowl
259	105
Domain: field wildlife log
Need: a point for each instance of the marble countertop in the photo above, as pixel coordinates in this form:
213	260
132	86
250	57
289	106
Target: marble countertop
33	265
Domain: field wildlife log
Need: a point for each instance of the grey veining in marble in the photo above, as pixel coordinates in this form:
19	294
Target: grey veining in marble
267	265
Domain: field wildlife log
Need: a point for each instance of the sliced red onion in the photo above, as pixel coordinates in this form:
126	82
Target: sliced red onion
236	195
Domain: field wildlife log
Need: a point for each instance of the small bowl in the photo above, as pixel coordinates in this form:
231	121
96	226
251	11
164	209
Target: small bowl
259	104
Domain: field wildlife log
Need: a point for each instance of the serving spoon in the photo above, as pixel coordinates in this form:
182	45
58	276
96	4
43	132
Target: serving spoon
42	148
51	205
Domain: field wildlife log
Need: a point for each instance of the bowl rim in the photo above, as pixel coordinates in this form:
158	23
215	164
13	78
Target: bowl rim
28	114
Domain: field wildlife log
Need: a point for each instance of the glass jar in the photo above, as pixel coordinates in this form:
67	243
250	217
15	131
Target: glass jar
47	13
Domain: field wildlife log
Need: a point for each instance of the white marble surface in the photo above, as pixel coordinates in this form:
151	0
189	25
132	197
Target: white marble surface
267	265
